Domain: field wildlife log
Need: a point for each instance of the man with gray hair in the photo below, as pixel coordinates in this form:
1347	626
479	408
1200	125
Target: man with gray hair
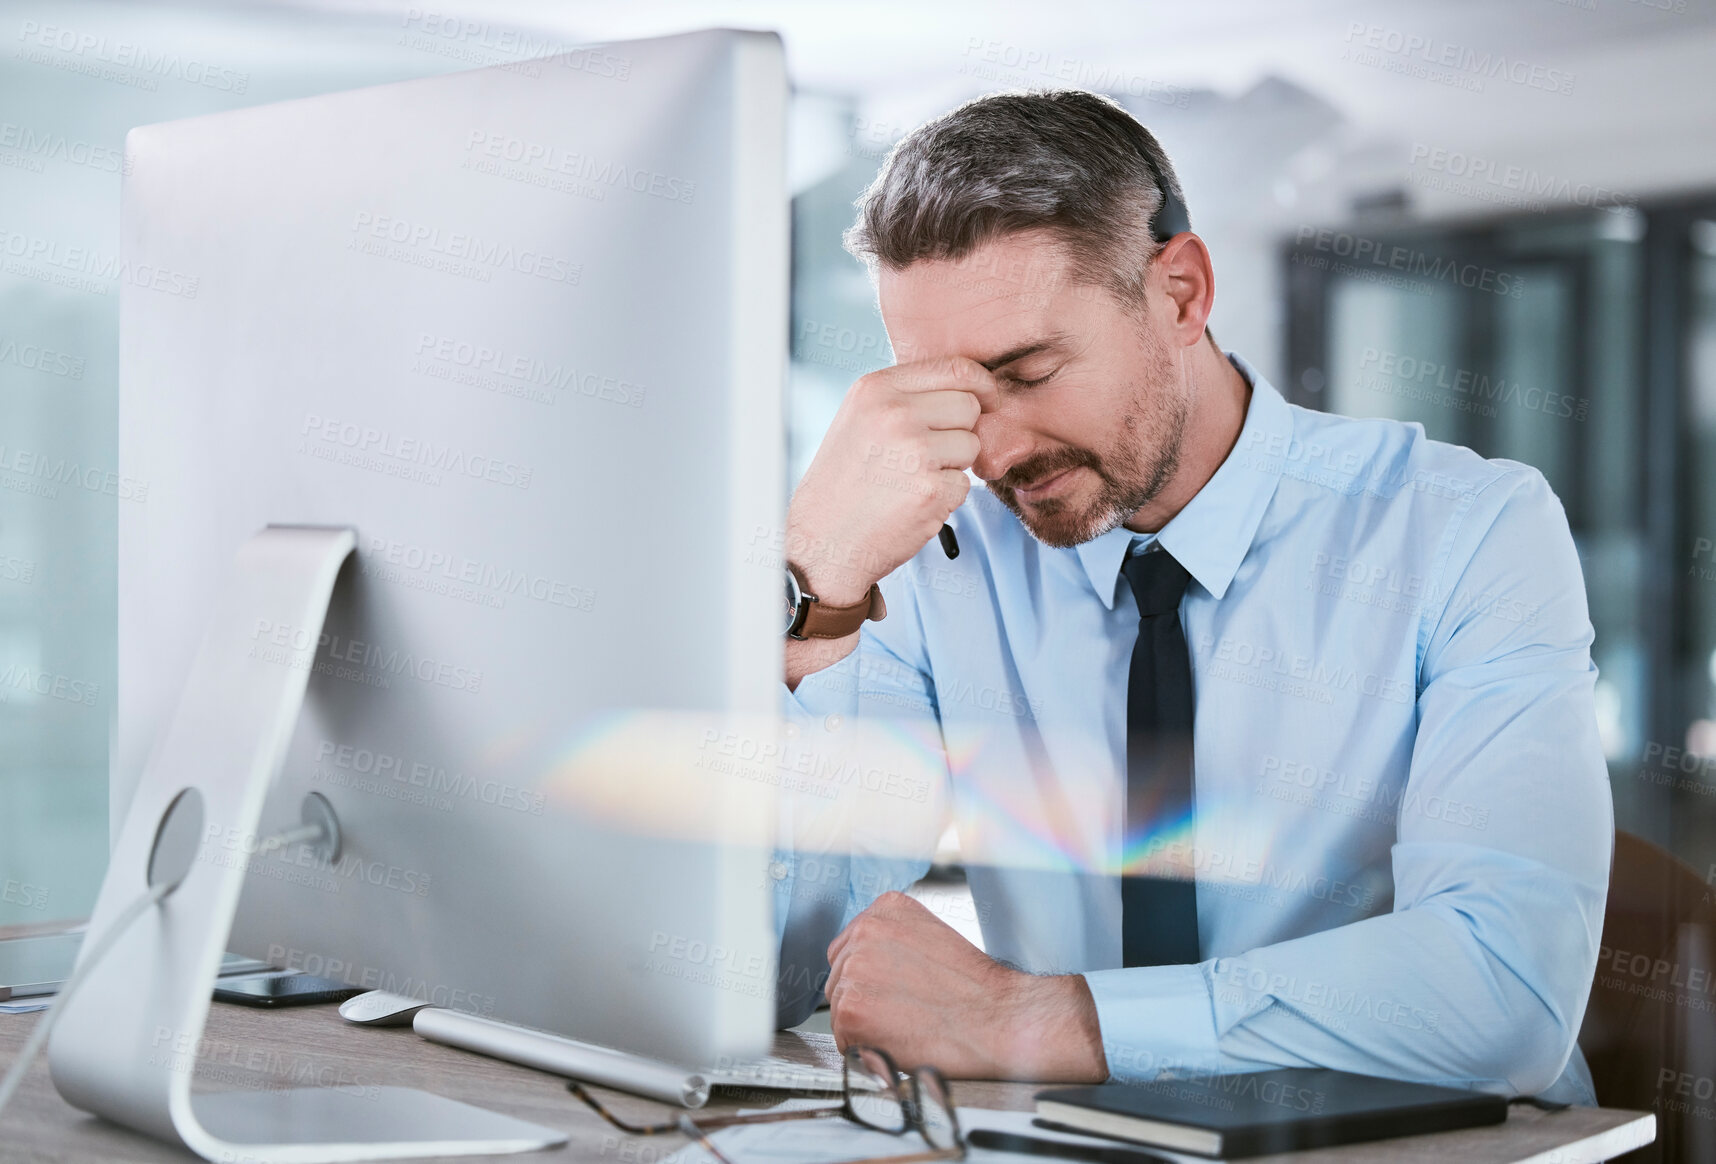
1268	734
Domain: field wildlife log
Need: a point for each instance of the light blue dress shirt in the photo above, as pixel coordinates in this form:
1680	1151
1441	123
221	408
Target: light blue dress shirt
1403	821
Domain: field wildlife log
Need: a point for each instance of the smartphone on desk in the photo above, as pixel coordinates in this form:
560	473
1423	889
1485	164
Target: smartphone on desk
288	989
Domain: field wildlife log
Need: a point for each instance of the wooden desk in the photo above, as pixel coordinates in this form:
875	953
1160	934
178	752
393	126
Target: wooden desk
301	1046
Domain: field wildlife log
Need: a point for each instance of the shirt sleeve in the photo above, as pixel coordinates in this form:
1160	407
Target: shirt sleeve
1480	974
864	794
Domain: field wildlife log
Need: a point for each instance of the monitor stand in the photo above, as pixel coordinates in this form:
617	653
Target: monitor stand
126	1043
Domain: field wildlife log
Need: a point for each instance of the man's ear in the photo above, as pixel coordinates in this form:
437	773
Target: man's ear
1188	278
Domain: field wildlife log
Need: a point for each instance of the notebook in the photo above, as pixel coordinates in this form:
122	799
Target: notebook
1268	1111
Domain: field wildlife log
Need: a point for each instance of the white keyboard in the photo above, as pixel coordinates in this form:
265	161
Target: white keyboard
587	1061
774	1072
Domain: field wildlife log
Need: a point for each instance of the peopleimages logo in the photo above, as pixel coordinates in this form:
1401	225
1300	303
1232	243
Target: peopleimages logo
289	645
772	762
839	347
1358	249
372	978
86	269
601	174
1418	372
528	371
24	894
40	145
28	471
37	358
482	42
18	677
88	53
368	445
1290	672
1473	173
423	244
995	60
1431	59
344	764
502	581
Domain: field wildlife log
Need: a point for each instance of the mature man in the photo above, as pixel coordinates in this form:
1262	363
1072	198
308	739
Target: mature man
1268	734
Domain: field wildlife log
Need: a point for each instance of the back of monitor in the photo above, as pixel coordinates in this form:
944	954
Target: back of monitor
523	329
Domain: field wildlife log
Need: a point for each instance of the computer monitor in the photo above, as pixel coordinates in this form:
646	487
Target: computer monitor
524	329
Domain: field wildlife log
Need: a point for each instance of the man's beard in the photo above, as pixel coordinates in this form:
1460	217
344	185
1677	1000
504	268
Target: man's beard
1132	472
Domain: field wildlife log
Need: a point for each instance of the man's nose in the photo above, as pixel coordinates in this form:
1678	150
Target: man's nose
1000	445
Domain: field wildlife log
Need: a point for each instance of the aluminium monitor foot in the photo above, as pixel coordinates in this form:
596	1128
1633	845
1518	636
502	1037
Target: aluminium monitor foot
354	1123
125	1043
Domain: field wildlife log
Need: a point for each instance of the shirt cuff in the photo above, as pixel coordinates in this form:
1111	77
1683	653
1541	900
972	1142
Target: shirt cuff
1155	1019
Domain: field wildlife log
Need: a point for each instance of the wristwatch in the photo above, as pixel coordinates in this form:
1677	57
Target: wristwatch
808	617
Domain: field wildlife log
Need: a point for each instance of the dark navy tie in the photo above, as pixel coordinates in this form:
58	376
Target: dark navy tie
1159	919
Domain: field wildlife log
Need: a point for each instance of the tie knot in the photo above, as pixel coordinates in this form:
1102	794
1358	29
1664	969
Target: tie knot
1158	581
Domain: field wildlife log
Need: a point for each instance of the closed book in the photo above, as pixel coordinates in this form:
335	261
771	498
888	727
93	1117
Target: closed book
1267	1111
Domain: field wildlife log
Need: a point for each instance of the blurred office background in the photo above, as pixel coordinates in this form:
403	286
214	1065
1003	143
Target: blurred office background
1495	219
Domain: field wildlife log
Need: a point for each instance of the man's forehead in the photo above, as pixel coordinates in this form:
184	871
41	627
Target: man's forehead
981	305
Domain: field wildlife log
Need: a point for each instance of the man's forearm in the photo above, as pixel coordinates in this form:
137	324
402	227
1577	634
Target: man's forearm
1062	1030
1411	994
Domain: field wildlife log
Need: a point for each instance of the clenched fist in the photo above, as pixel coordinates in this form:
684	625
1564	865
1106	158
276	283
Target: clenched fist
903	980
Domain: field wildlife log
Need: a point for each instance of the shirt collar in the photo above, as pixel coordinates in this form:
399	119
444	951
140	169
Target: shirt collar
1213	533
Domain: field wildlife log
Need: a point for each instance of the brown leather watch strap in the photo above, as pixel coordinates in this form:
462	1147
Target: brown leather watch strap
822	621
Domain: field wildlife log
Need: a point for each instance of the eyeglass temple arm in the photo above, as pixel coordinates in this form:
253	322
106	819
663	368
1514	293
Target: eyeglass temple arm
697	1134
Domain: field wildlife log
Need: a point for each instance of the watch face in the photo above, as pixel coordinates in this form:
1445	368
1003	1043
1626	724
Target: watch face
794	598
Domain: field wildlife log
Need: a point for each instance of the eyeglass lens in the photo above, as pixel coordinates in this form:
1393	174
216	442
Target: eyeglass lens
935	1110
873	1090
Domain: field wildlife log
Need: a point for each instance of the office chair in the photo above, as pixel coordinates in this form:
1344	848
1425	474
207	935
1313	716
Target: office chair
1650	1029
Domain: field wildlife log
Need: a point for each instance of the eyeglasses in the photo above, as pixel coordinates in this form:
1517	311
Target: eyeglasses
875	1095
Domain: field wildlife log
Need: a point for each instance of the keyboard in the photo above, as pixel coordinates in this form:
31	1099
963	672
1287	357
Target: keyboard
588	1062
775	1073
